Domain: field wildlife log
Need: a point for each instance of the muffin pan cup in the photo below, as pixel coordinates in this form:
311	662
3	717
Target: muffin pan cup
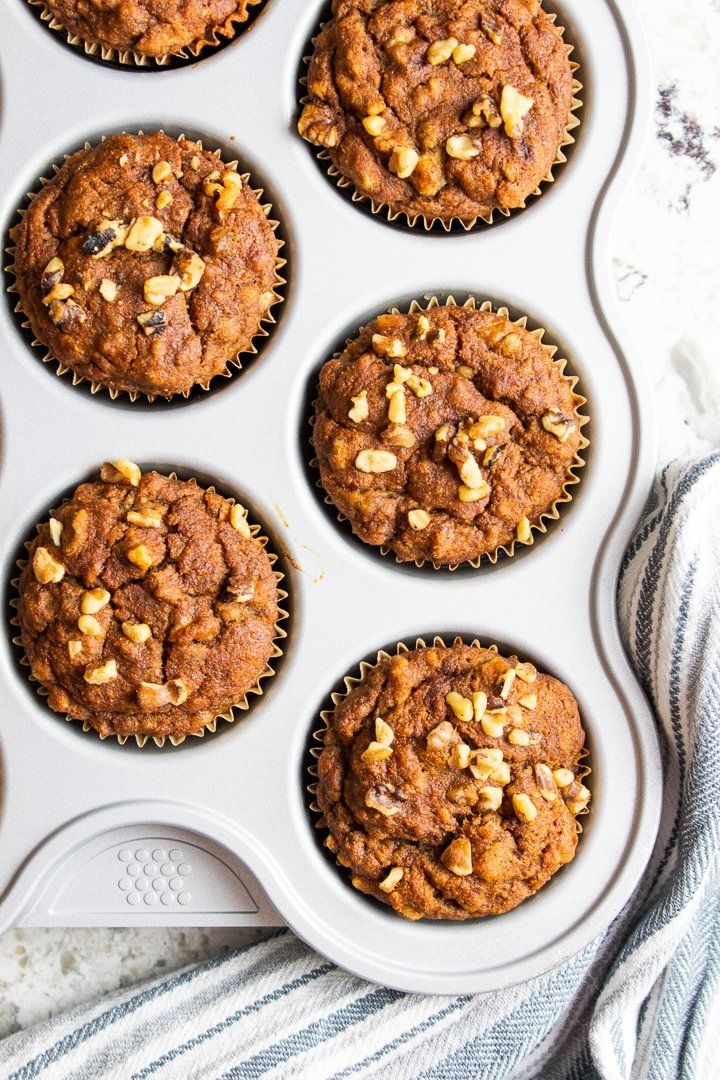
90	831
553	512
218	35
422	221
264	328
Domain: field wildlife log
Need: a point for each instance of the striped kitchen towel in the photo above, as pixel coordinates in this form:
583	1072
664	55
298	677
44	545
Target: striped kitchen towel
641	1001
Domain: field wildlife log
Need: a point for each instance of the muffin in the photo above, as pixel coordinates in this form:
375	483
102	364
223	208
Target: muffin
440	109
449	781
146	265
447	434
150	28
147	607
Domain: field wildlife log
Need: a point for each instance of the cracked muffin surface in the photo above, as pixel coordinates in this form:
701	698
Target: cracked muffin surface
445	434
147	607
148	27
445	109
449	781
146	265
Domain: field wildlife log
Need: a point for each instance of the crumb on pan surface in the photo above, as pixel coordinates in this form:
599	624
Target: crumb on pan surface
153	28
445	434
449	781
442	109
147	607
145	264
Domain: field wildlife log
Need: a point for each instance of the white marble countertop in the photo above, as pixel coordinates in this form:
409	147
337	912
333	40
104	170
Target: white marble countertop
667	272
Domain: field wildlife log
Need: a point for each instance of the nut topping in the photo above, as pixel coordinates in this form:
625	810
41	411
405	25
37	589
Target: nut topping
440	737
524	807
397	412
518	737
143	233
153	322
529	701
189	267
157	695
493	726
316	124
137	632
94	600
386	346
457	857
461	706
462	53
375	461
440	51
239	521
461	147
418	520
52	274
47	570
563	777
526	672
74	648
157	290
491	28
360	409
490	798
374	125
98	676
56	529
557	424
479	700
108	290
523	531
392	880
403	161
88	624
513	108
146	518
545	782
161	172
107	236
140	556
127	469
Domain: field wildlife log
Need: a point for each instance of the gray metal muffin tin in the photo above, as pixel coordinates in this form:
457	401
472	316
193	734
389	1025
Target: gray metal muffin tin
218	831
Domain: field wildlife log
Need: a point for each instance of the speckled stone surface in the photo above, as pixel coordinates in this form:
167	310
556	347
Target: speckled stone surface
668	278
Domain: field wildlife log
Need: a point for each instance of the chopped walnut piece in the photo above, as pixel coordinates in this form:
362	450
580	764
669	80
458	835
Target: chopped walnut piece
360	409
56	529
461	147
439	52
392	880
143	233
403	161
418	520
46	568
375	461
138	633
104	673
457	857
524	807
94	600
513	108
557	424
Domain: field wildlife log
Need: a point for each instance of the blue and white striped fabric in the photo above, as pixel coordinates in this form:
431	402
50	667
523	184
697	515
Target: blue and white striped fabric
641	1001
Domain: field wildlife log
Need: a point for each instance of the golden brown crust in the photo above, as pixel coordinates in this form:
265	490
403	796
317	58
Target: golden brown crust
476	364
148	27
205	327
209	599
422	811
375	59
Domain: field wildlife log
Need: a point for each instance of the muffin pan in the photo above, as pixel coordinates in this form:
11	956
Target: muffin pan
90	831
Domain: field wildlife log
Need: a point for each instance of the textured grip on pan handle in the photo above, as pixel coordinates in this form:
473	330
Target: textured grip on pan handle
150	876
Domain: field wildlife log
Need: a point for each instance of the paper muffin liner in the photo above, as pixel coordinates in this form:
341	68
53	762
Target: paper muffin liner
265	324
230	714
573	477
219	35
455	224
364	669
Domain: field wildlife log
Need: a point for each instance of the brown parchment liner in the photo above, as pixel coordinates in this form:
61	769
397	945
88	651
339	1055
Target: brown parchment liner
582	771
455	223
131	58
229	716
264	325
550	515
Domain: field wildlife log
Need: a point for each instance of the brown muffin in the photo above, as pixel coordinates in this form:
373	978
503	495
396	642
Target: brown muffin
444	109
146	265
449	781
444	435
153	28
147	607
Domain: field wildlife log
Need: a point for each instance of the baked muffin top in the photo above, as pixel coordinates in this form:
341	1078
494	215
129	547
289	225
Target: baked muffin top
148	27
147	607
449	781
446	109
445	434
145	264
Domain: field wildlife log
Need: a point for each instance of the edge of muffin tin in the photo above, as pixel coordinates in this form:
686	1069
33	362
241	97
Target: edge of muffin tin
247	794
